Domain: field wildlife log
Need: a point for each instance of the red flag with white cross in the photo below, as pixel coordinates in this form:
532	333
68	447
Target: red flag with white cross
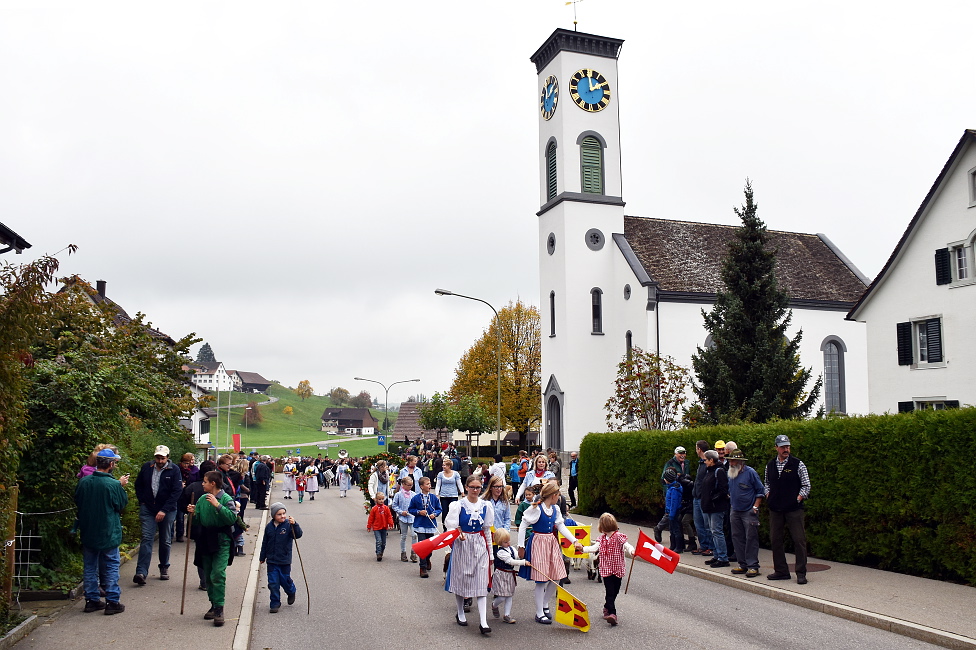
648	549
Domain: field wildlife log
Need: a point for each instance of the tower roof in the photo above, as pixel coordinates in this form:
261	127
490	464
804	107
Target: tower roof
565	40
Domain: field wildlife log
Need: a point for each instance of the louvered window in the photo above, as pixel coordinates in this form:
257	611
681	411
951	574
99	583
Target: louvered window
591	166
943	272
551	171
920	341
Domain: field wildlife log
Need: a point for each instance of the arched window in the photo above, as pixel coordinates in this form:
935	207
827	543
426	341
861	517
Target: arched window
591	165
551	171
835	398
552	313
630	346
596	299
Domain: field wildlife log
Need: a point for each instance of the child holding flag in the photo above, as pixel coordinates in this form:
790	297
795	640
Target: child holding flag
612	546
425	508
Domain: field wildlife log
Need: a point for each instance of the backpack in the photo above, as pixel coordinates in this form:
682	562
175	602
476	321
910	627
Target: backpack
523	467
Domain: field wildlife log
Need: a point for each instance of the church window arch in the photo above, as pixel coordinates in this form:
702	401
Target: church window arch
552	313
596	301
591	165
834	384
551	171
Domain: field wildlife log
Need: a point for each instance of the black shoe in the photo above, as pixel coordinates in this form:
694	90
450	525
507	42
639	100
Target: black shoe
139	579
291	598
801	580
274	610
93	606
711	561
164	573
719	565
460	622
547	613
210	613
543	620
486	631
113	608
778	576
567	581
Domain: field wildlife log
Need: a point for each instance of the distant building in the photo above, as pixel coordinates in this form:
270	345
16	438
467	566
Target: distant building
212	376
407	426
12	241
338	420
252	382
920	314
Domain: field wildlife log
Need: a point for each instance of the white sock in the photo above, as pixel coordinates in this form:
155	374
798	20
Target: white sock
550	593
460	606
483	610
540	599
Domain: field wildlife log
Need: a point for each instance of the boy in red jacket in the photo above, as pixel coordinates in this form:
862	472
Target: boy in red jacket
380	520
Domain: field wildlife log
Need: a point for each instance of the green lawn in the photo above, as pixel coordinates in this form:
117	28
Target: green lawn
299	429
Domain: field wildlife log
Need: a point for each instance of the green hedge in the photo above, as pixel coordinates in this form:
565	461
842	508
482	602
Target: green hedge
896	492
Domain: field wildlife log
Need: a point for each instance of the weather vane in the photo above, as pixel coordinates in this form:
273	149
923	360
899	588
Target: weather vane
574	3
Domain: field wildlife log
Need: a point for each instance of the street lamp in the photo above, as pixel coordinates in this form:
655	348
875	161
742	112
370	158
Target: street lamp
498	337
386	409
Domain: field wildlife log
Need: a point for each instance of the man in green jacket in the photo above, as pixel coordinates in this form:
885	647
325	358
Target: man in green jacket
213	515
101	499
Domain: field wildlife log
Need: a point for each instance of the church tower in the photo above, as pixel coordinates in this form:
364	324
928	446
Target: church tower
581	210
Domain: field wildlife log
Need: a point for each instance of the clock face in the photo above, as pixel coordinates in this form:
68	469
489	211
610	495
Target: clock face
590	90
549	98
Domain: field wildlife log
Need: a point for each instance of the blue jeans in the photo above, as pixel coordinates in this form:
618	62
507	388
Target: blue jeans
149	528
701	527
380	536
406	533
102	567
716	520
279	575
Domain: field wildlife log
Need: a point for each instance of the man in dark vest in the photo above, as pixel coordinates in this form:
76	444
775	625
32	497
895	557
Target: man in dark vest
787	486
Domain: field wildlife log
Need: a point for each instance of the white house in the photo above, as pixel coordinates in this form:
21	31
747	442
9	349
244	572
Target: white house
921	308
197	421
213	377
611	281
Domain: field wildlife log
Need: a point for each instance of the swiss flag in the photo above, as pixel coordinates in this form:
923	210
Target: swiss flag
648	549
428	546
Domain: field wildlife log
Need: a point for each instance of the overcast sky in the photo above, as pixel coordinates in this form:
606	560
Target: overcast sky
292	180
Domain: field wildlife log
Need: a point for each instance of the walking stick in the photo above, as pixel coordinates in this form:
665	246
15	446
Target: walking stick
186	563
308	593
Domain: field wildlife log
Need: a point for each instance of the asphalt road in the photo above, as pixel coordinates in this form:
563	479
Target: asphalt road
357	602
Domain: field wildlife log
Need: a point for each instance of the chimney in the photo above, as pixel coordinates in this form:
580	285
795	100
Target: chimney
100	285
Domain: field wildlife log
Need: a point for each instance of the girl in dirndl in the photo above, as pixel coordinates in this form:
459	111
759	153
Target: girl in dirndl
543	550
468	573
288	477
311	481
503	579
345	476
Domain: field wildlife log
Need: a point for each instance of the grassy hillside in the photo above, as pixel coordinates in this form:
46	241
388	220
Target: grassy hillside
299	429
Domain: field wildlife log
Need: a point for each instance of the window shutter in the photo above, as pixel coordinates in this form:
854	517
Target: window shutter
906	407
943	270
933	327
951	403
591	166
551	172
904	335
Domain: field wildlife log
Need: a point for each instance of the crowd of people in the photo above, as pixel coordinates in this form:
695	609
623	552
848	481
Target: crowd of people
711	510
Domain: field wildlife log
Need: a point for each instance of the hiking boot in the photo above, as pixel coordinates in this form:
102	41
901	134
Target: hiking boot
218	618
93	606
291	598
739	570
139	579
210	613
752	573
164	573
403	557
113	608
413	557
423	573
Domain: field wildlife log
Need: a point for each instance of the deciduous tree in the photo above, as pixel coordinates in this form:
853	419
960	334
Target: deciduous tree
288	410
362	401
752	372
252	415
339	396
649	393
304	389
521	355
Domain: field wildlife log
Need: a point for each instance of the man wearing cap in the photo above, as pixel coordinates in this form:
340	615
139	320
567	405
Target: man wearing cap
787	486
100	500
746	493
158	488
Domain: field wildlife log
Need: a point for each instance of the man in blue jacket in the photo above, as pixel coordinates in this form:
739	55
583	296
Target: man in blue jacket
158	488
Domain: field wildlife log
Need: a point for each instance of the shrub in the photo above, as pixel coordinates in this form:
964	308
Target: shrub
887	491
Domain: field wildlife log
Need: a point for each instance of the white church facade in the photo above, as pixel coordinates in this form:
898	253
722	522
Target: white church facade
609	281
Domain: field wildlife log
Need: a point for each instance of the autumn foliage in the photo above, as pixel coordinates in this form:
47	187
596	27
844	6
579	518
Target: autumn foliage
648	393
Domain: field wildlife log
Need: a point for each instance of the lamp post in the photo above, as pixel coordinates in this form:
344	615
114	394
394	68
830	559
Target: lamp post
386	408
498	337
246	409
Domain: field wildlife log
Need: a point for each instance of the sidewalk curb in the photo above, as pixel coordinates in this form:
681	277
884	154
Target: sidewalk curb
29	624
242	635
880	621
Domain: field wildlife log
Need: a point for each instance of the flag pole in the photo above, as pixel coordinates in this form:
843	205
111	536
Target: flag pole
633	558
186	562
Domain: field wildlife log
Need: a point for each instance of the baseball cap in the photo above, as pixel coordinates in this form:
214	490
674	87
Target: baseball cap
108	453
679	450
162	450
782	441
720	444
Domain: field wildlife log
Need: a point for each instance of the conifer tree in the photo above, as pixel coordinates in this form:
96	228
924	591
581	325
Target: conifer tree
752	372
206	355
